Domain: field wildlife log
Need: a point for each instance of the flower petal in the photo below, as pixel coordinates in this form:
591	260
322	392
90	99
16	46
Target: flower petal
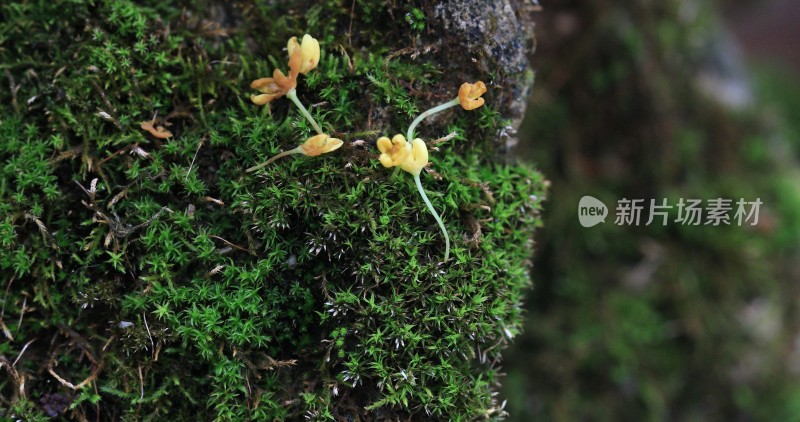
310	50
333	144
418	158
320	144
295	65
384	144
285	83
262	98
262	84
386	160
292	45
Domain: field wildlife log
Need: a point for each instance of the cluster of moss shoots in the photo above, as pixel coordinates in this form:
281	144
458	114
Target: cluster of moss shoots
398	152
302	288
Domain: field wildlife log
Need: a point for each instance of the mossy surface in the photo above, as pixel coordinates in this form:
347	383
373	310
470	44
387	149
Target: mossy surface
178	286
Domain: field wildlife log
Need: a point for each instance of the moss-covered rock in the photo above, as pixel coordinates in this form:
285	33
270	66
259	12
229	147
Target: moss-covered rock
147	278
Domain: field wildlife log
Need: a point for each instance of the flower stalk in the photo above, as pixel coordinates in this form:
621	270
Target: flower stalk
435	216
292	95
441	107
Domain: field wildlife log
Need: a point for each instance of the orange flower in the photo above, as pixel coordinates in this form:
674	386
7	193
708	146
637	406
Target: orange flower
269	89
469	95
279	84
158	132
319	144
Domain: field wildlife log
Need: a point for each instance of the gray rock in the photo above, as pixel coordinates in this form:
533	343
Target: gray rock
501	33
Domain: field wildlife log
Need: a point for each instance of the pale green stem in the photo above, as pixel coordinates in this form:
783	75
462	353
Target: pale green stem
292	95
266	163
435	215
422	116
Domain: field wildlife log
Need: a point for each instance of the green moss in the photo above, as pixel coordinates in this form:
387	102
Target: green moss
193	290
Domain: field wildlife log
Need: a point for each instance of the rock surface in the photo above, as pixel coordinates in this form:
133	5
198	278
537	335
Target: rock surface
501	31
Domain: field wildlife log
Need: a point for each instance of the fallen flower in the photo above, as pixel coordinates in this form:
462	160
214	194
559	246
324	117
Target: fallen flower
312	147
159	131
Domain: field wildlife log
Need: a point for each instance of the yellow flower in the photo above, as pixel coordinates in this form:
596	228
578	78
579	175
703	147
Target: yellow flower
309	50
319	144
411	157
469	95
393	152
418	158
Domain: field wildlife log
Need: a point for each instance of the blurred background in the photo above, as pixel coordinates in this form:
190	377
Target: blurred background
663	99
